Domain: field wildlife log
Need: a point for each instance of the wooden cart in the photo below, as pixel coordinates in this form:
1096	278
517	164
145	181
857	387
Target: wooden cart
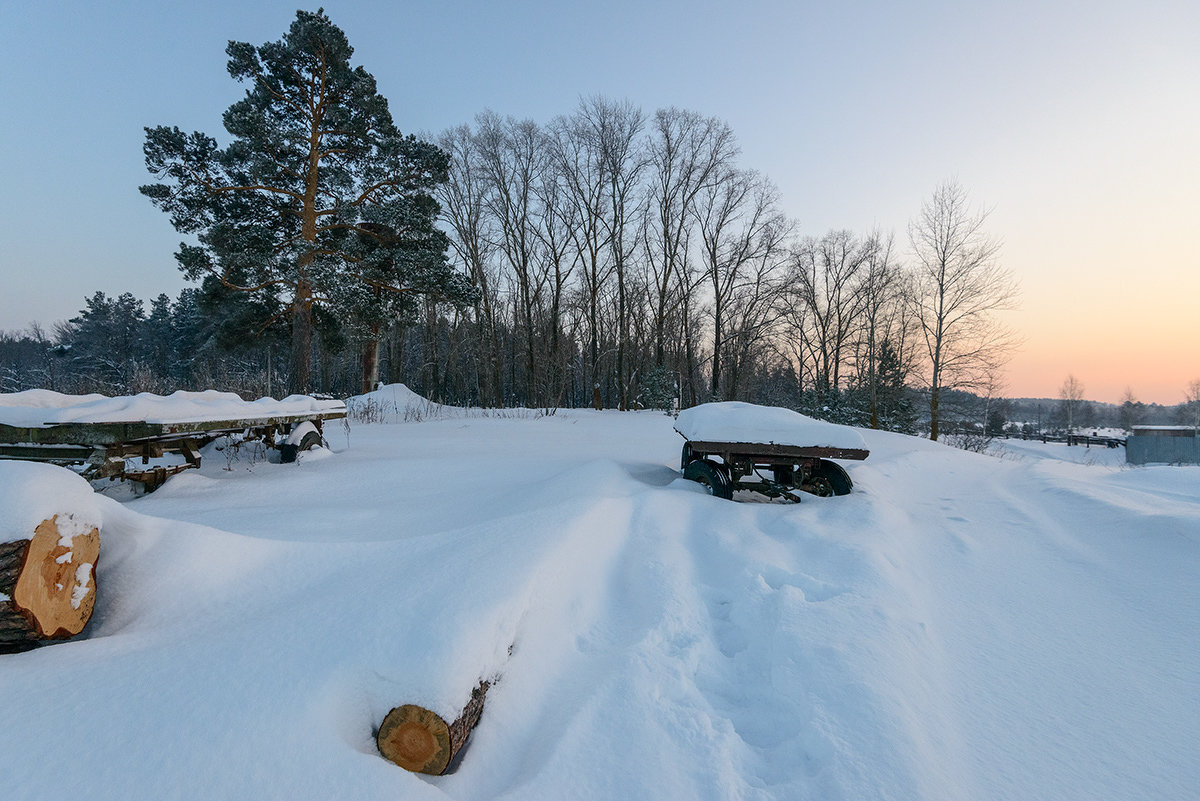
103	448
775	471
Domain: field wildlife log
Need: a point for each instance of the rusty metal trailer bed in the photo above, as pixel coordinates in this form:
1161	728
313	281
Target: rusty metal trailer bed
807	469
100	450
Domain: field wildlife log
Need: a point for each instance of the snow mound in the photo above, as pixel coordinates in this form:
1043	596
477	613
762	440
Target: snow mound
36	408
734	421
394	403
397	395
32	492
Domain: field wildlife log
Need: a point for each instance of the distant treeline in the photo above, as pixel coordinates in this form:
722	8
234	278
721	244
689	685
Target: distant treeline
117	346
621	260
200	340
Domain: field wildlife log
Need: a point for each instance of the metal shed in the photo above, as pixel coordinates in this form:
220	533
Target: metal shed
1163	444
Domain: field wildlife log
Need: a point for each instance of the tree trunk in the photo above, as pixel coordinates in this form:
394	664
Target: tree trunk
47	586
716	359
370	363
934	398
419	740
299	377
594	347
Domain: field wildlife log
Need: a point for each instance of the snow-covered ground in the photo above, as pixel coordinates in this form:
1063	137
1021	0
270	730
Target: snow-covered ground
1034	450
959	627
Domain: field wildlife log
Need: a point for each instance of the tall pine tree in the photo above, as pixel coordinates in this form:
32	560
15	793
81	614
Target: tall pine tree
316	168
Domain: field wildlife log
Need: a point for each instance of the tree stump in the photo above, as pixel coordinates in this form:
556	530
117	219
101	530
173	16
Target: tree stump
47	584
419	740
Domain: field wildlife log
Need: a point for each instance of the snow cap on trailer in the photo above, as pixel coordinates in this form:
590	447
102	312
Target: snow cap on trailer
735	421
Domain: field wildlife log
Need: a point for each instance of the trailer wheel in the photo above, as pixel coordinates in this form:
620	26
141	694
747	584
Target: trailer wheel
711	476
686	457
309	439
828	479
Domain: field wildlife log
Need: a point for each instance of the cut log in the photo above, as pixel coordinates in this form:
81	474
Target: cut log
419	740
47	584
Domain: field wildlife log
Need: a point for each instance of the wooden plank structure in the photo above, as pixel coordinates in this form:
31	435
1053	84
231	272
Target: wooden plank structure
103	448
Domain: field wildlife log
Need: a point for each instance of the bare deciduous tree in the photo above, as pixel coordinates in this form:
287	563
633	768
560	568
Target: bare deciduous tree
513	162
960	285
686	151
825	280
1071	394
617	128
883	295
464	210
575	152
1191	400
739	221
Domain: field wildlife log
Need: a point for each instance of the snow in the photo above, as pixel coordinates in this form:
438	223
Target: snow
297	434
396	403
1096	455
83	577
39	407
960	626
31	493
733	421
1163	428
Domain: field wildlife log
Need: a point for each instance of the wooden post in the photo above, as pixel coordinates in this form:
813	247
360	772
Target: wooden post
48	584
419	740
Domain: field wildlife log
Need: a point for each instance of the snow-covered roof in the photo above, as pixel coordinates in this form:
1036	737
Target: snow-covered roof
1165	431
35	408
1164	428
734	421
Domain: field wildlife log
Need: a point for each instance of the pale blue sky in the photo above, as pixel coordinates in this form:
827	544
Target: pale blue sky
1077	123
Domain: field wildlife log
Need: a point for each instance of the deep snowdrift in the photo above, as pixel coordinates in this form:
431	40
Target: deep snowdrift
959	627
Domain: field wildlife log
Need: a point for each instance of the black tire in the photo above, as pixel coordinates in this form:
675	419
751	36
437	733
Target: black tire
711	476
829	479
686	457
288	452
311	440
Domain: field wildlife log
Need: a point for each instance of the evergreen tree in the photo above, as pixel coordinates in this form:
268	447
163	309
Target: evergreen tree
897	410
316	167
158	339
105	340
997	419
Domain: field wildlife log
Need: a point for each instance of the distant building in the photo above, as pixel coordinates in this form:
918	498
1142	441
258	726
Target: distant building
1163	444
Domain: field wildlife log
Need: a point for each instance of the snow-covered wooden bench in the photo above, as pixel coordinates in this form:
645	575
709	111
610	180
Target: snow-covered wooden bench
747	439
102	433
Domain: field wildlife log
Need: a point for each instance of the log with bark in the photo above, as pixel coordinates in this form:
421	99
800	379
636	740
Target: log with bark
47	583
422	741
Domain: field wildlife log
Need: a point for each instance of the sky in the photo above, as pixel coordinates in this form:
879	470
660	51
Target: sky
1075	125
